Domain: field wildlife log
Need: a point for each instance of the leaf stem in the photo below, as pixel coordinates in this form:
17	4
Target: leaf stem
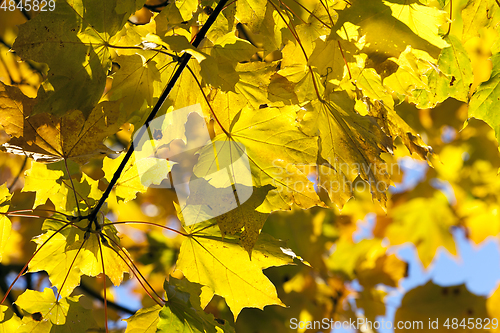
149	223
345	60
72	187
451	16
292	30
208	103
69	270
104	285
182	64
133	268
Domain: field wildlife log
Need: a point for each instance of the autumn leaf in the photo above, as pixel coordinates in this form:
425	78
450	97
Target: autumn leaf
68	254
5	224
273	159
431	302
47	313
74	41
240	280
9	321
343	154
55	138
478	15
426	222
144	321
58	186
134	82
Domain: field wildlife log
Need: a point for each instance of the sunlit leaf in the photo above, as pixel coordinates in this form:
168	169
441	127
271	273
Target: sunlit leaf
240	281
68	254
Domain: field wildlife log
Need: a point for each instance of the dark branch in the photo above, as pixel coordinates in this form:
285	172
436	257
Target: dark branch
96	295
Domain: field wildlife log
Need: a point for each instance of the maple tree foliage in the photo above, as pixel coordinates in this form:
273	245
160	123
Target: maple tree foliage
317	102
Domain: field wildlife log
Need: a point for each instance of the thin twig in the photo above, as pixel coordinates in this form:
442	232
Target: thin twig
72	187
451	17
98	296
3	287
133	268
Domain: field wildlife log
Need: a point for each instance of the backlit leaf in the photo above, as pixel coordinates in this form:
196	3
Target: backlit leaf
487	98
67	255
240	280
182	314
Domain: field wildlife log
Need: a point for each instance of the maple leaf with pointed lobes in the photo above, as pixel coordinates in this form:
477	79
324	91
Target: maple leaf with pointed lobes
69	254
47	313
204	255
55	138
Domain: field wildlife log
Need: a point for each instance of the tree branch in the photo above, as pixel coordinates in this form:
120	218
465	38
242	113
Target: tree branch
96	295
182	65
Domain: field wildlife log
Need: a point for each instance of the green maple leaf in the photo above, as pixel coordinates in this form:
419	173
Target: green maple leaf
485	99
224	266
182	312
74	41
